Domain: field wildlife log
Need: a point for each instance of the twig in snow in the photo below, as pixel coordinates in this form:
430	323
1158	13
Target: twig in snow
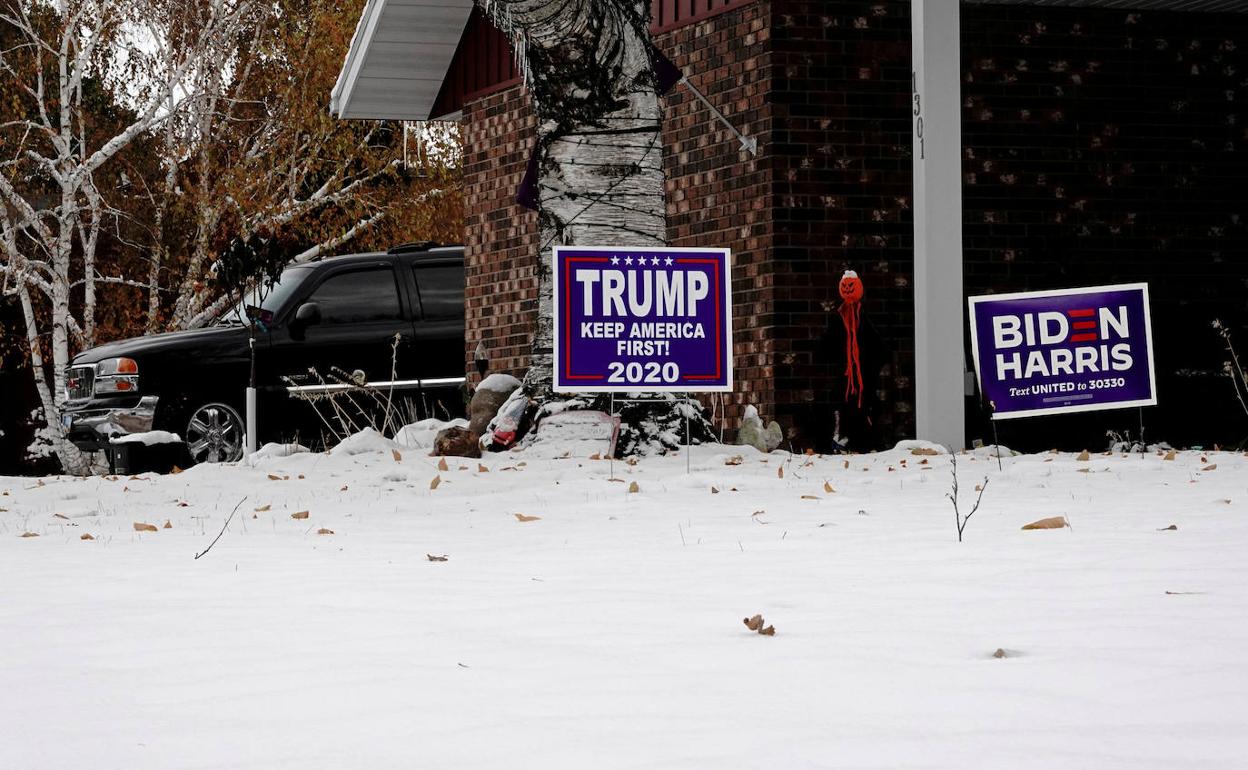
953	496
223	528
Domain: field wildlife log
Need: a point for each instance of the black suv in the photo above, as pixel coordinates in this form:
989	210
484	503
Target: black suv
335	314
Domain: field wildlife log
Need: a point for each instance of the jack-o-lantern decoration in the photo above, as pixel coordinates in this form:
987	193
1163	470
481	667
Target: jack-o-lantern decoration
851	313
851	287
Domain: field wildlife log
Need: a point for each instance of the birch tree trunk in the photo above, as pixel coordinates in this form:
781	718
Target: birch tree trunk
591	81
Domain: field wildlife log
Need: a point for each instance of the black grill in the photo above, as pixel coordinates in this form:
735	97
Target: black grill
80	382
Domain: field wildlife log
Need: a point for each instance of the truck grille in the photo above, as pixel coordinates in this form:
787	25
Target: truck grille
80	383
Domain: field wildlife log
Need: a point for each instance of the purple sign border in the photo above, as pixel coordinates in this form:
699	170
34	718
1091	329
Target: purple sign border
1006	414
724	384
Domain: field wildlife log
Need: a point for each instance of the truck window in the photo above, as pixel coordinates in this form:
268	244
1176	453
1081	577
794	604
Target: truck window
358	296
441	290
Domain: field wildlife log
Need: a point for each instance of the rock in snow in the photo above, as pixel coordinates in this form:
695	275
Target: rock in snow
490	395
752	433
457	441
500	383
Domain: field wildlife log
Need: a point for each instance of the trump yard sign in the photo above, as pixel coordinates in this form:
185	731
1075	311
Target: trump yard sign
642	319
1072	350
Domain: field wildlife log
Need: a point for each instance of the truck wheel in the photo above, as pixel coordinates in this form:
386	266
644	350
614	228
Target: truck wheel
215	434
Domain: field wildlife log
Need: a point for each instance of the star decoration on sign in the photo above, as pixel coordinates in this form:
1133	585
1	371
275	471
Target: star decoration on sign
669	261
615	260
654	260
628	260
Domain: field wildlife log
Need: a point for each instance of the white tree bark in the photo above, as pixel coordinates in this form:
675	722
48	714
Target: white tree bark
591	81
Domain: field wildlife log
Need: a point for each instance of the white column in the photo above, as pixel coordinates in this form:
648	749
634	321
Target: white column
938	302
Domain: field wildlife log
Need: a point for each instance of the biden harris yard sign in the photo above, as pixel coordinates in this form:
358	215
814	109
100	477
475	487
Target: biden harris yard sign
642	319
1071	350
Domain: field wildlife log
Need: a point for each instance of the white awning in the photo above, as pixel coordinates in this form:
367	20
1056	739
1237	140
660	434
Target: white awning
398	59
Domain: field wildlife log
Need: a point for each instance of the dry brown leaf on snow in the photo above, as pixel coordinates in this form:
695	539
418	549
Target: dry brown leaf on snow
633	488
344	488
1083	470
780	472
86	536
175	470
436	481
482	469
442	466
828	488
1170	528
924	450
274	478
522	517
431	557
183	504
809	497
1212	467
323	531
263	508
299	515
29	534
55	515
1053	522
1084	456
301	476
1170	455
397	455
734	460
168	524
1204	459
714	491
846	465
596	456
768	631
143	527
754	624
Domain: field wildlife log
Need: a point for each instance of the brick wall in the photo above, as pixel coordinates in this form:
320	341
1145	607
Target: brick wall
500	237
717	193
1112	146
842	193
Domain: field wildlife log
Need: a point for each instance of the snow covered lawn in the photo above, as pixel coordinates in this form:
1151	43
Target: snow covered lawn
608	632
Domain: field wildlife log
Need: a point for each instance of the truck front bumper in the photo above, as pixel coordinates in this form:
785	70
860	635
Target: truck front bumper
89	427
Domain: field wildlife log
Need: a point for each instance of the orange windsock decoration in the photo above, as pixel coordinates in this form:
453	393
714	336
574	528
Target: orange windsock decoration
851	313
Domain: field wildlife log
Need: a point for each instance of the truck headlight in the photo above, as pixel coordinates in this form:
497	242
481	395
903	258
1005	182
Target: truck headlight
117	375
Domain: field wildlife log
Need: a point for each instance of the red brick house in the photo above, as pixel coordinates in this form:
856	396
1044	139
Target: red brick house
1093	141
